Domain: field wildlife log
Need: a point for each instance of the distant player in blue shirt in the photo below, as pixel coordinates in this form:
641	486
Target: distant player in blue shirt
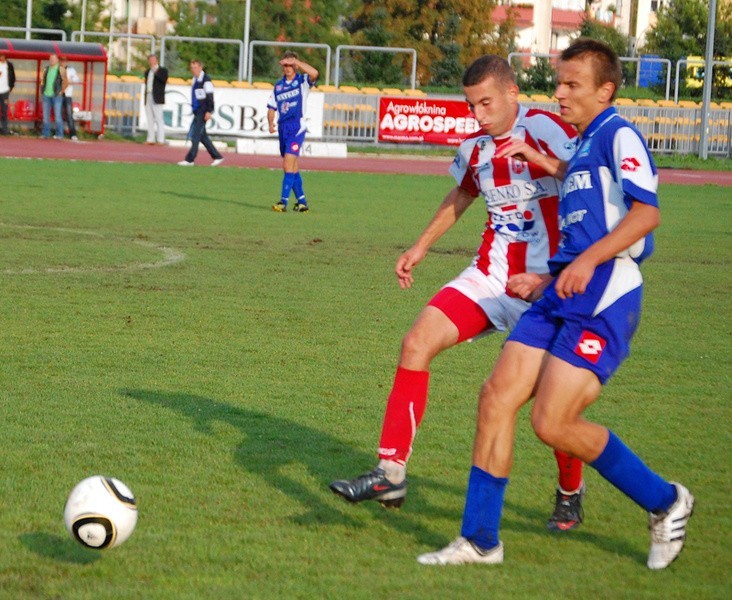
567	345
289	102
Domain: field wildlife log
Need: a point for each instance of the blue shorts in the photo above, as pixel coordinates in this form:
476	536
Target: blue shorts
291	138
591	330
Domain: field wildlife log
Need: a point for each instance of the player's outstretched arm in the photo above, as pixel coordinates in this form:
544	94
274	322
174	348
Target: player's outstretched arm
522	151
453	206
639	222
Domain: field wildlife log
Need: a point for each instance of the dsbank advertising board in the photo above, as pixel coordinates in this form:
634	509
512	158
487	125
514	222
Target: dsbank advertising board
237	112
422	120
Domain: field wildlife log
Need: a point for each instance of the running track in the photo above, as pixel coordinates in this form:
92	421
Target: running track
109	151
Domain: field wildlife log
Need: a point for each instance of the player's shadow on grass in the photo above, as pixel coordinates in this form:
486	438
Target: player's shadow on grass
199	198
60	548
533	523
272	445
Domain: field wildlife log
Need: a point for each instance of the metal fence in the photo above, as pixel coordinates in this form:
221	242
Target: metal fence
354	118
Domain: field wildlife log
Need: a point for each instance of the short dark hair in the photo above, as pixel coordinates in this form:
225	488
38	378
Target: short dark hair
290	54
196	60
603	57
487	66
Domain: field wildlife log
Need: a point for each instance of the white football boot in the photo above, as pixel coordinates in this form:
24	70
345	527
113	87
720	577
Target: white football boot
462	552
668	530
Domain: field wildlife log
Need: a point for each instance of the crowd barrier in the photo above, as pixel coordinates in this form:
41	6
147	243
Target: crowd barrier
352	115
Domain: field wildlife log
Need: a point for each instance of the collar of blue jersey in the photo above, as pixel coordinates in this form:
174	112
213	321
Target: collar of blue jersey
199	78
599	121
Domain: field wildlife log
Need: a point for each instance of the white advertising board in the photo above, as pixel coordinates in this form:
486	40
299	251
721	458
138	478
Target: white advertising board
237	112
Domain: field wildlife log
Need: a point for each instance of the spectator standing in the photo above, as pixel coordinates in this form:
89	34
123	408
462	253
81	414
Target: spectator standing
202	103
7	83
68	109
156	77
53	86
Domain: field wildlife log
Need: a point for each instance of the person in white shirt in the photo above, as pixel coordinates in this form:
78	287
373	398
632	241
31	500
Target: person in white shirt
7	83
68	108
155	79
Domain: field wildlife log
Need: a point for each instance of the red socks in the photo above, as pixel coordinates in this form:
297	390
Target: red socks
570	471
404	411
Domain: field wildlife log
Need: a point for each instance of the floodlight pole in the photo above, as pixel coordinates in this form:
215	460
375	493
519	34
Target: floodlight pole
111	31
247	20
708	76
129	31
28	13
83	19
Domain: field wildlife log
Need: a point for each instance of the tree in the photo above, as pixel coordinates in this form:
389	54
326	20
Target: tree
309	21
448	69
681	31
617	40
425	25
54	14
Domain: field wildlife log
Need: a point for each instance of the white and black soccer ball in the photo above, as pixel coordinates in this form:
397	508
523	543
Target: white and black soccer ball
100	512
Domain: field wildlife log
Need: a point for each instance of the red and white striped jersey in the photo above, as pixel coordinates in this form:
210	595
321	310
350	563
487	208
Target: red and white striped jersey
522	199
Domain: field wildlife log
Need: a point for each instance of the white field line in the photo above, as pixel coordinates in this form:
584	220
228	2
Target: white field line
171	256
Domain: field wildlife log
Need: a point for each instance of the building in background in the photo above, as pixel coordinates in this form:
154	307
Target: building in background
547	26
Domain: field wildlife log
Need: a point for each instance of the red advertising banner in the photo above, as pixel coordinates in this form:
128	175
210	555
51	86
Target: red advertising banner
422	120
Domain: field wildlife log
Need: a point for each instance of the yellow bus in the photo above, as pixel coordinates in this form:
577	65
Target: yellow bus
695	71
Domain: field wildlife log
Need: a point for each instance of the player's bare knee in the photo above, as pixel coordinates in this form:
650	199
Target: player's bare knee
418	346
496	403
548	429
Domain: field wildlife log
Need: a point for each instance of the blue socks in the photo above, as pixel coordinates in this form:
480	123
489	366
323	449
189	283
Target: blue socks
483	505
297	188
620	466
287	182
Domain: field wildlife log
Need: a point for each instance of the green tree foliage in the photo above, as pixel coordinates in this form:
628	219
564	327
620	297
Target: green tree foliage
617	40
539	77
53	14
46	14
305	21
681	31
374	67
425	25
448	69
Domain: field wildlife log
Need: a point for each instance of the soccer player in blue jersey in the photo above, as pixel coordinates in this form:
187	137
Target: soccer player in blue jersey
289	102
569	343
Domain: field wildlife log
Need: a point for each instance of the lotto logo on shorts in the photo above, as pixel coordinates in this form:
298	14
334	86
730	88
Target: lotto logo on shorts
295	147
590	346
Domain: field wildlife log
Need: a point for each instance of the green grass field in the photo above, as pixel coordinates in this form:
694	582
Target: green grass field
163	326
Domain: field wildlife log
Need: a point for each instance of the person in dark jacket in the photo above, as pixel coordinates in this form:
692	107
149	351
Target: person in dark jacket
156	78
7	83
53	88
202	103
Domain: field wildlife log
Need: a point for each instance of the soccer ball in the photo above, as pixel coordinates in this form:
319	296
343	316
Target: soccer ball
100	512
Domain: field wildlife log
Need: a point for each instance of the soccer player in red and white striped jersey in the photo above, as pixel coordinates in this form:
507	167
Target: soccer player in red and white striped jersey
521	233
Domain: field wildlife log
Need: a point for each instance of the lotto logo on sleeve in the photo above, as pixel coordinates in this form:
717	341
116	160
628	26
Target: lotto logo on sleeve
590	346
631	164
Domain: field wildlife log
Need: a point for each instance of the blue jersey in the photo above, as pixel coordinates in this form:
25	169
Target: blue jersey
601	185
289	99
